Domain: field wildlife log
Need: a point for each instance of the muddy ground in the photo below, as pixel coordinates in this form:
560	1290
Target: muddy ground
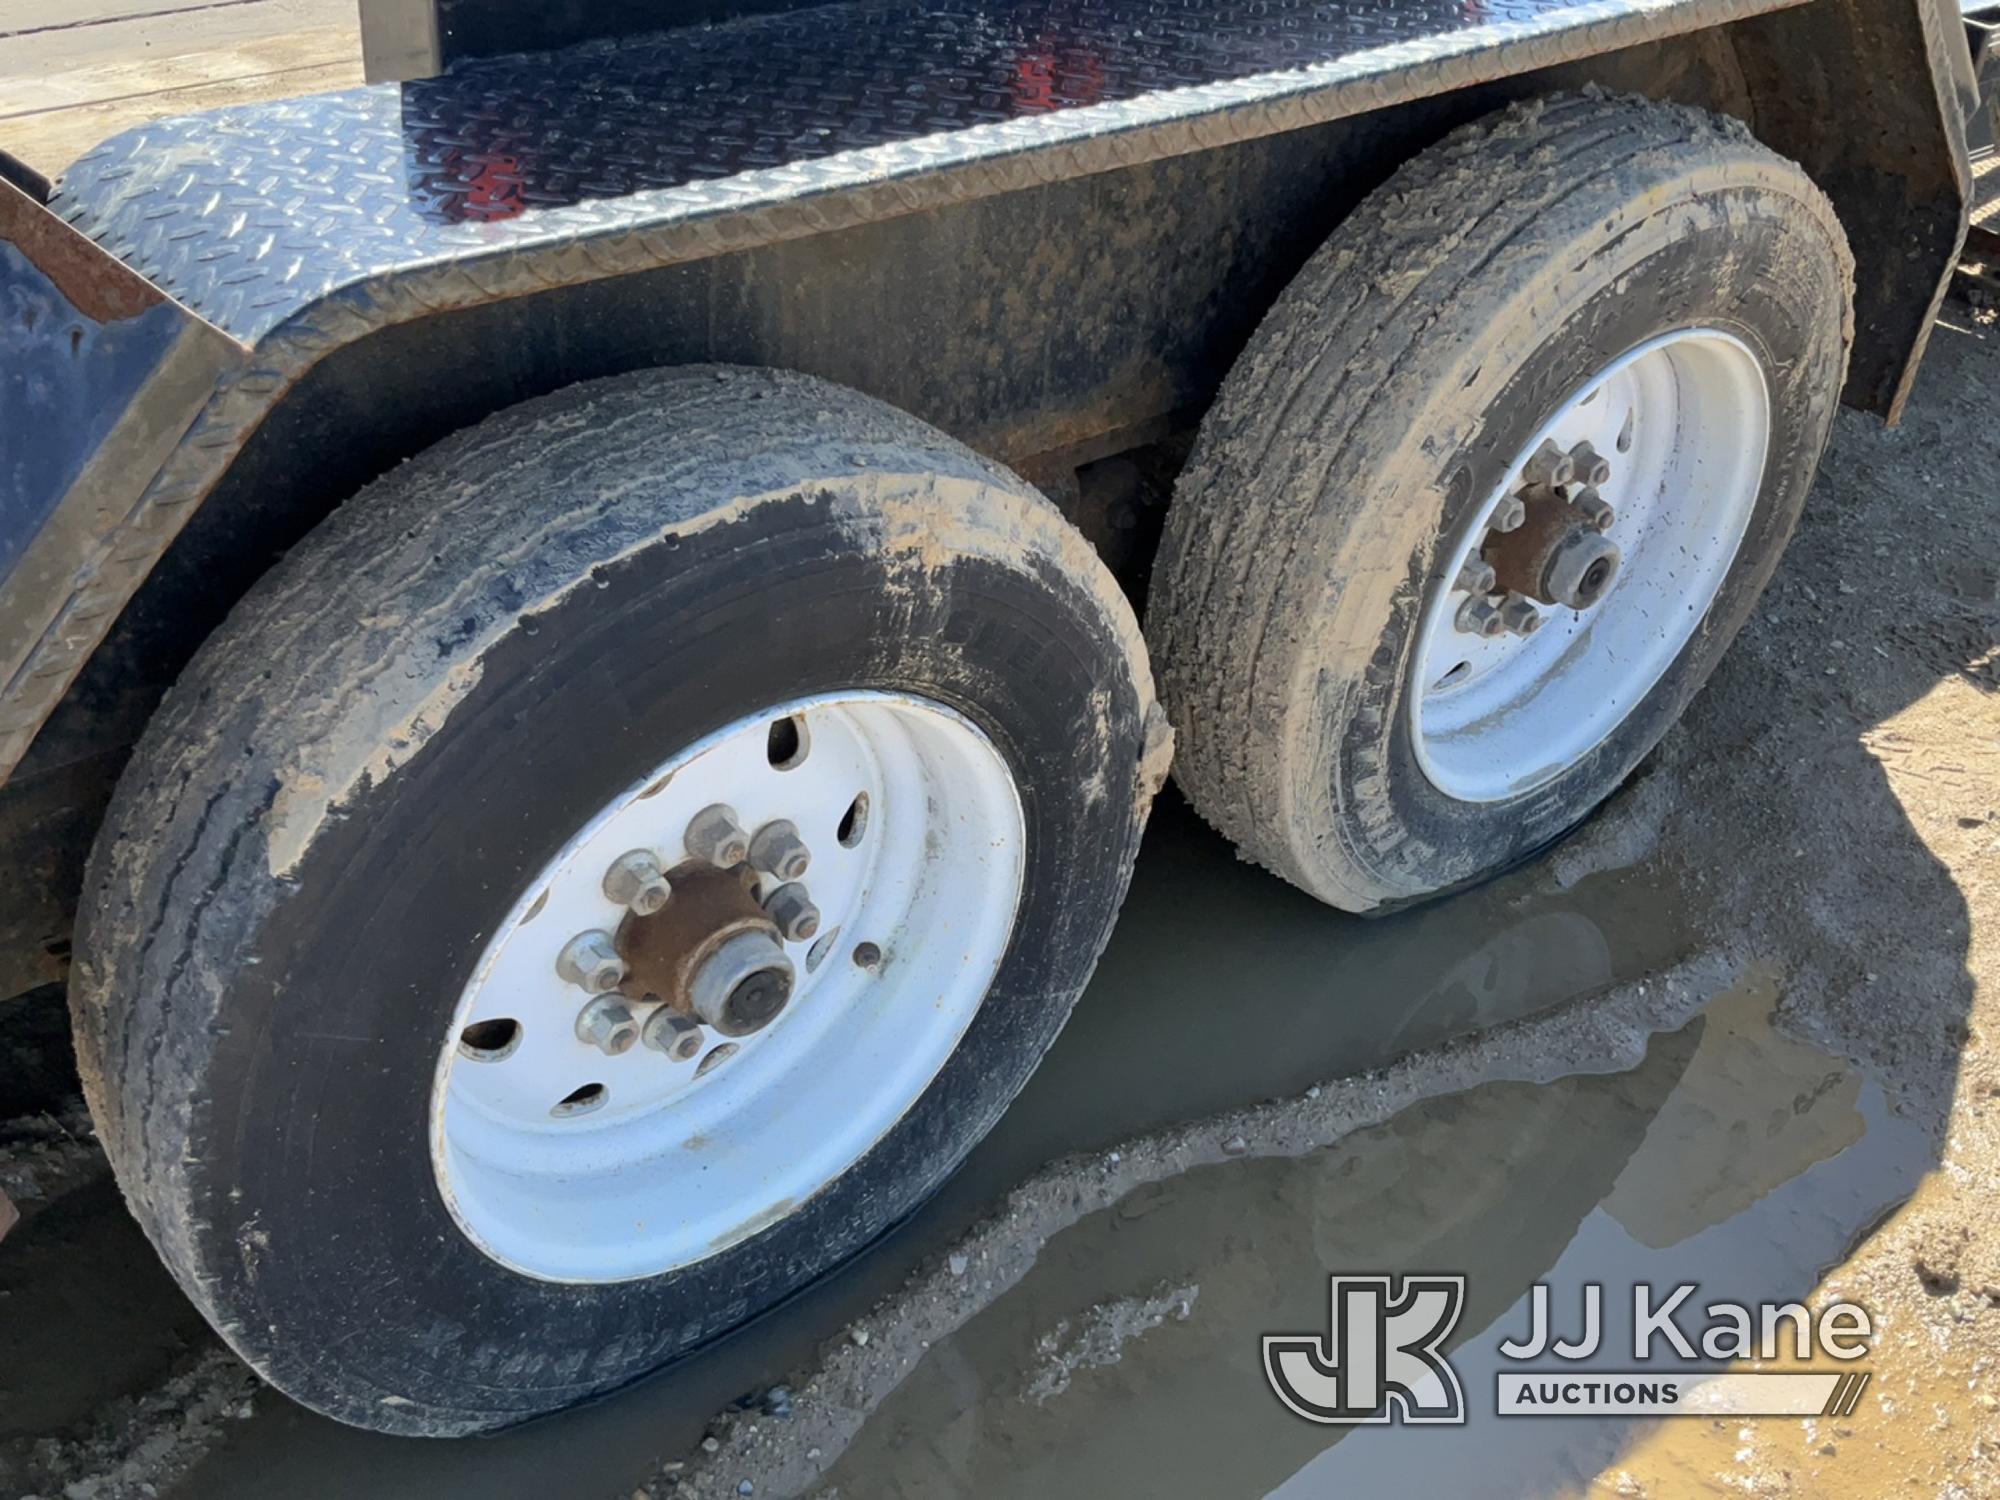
1740	1030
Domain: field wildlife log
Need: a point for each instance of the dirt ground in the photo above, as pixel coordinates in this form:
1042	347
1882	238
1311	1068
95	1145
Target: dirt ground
1890	785
74	72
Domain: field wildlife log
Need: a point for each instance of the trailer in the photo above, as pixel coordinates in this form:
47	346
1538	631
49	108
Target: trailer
571	659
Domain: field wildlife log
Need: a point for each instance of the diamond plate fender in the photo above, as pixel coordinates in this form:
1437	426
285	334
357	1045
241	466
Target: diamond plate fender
299	227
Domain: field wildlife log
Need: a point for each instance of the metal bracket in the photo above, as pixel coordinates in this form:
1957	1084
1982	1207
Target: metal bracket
400	39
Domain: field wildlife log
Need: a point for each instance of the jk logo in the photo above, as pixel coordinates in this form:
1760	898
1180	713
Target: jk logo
1376	1355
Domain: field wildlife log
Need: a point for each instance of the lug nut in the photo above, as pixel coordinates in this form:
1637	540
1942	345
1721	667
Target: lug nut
714	834
590	960
1476	577
777	849
1547	465
1588	466
792	909
1478	616
636	880
679	1036
1518	614
608	1025
1510	513
1596	510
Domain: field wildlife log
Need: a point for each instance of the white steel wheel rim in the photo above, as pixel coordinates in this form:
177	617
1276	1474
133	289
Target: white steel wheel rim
1493	718
672	1164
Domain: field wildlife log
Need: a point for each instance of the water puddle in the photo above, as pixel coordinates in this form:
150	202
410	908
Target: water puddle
1127	1353
1127	1360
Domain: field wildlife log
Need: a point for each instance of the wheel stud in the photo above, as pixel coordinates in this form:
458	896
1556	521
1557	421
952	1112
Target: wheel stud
1588	466
607	1024
792	909
1478	616
1519	615
1548	465
1595	510
1510	513
714	834
1476	577
680	1037
635	880
777	849
590	960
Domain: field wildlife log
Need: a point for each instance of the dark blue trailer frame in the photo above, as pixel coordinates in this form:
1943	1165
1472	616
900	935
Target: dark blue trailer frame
1044	225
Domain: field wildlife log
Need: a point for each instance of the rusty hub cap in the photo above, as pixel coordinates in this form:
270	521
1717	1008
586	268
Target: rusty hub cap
710	952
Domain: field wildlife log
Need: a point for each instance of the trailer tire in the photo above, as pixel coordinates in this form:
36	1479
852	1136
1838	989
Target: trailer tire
1361	448
344	801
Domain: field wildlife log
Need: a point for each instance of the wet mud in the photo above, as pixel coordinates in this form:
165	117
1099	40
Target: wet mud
1731	1155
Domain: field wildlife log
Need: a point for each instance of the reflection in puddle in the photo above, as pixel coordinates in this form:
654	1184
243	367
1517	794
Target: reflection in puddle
1733	1155
1223	986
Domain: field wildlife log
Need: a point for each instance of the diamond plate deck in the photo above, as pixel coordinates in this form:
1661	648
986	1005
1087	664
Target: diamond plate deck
301	225
248	215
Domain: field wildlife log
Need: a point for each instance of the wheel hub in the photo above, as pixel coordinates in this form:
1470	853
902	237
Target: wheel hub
710	952
1558	554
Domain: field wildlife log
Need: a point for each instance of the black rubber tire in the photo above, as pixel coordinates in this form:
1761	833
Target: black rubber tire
1382	398
410	716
